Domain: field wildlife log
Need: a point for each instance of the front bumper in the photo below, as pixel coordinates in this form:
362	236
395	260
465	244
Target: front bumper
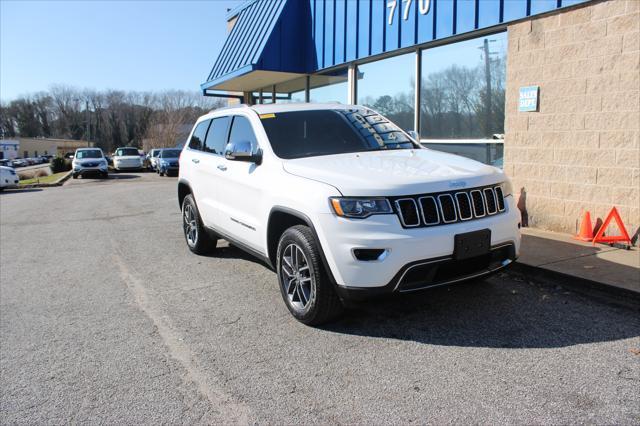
127	165
91	170
421	254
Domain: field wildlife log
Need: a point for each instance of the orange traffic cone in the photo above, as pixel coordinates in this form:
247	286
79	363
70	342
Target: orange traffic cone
586	230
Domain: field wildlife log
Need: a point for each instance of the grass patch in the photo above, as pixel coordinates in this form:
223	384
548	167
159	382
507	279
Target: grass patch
45	179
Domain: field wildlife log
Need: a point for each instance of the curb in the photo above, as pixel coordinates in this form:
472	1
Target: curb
580	285
59	182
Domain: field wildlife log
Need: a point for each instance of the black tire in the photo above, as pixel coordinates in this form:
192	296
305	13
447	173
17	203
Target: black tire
201	243
75	176
323	304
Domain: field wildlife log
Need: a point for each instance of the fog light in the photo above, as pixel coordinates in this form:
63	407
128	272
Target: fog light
368	255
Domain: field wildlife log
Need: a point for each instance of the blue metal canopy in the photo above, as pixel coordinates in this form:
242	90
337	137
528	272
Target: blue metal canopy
267	35
273	41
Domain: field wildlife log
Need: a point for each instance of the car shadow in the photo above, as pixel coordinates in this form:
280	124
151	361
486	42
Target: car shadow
121	176
8	191
509	310
503	312
226	250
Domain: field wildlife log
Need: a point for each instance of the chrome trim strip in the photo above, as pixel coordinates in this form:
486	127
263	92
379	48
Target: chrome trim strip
401	216
442	259
435	204
383	255
466	277
455	213
458	204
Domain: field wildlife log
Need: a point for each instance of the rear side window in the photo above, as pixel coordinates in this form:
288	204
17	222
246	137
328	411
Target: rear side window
217	136
241	130
199	135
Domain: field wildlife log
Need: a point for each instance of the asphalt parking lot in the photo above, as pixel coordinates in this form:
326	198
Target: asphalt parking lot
105	316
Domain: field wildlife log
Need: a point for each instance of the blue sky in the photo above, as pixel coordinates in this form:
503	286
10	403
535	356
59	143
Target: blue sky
128	45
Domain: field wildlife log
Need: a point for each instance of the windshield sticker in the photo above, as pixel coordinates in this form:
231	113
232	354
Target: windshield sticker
263	116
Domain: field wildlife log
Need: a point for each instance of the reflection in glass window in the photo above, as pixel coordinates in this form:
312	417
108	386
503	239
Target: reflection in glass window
388	87
329	87
291	91
463	89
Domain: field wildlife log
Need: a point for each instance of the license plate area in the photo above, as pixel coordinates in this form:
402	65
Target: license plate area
472	244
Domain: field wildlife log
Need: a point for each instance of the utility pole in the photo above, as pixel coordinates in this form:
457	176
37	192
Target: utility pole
88	123
488	110
487	76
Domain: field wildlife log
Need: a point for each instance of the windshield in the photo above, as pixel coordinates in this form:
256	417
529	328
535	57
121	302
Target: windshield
155	152
170	153
298	134
121	152
89	153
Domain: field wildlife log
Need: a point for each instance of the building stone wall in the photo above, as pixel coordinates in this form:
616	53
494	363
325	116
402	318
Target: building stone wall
581	149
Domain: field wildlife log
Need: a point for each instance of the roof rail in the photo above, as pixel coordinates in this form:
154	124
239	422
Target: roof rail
230	107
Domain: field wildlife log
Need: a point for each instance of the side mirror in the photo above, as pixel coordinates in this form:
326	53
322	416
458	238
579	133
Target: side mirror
414	135
242	151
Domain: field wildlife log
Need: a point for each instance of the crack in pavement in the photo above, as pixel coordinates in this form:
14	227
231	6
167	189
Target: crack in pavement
233	412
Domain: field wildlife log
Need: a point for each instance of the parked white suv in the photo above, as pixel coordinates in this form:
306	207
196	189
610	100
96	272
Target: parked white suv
342	203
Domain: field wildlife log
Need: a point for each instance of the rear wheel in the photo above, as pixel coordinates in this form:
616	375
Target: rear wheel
75	176
304	283
198	240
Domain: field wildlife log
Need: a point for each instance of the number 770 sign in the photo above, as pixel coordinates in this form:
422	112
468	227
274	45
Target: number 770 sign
423	7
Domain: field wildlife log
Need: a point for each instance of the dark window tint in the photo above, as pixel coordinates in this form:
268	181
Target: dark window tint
311	133
241	130
170	153
217	136
123	152
197	139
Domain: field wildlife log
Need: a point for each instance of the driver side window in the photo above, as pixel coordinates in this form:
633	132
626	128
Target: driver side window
241	130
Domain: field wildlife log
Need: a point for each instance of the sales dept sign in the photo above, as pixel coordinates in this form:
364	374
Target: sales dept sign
528	98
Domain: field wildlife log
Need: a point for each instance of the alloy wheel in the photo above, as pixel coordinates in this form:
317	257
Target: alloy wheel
296	278
190	225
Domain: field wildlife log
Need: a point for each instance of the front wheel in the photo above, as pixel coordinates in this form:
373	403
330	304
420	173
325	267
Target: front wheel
304	283
198	240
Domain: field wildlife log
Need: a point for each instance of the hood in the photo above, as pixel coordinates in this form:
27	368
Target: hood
127	157
393	173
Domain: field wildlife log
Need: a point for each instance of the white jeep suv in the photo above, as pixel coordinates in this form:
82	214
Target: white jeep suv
341	203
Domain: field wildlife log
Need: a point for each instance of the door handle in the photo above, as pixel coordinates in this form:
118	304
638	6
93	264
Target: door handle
222	167
195	160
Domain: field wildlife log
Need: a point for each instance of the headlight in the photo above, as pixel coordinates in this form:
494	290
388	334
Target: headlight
360	207
507	188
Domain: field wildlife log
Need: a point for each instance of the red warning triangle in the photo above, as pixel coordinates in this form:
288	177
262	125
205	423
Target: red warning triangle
601	238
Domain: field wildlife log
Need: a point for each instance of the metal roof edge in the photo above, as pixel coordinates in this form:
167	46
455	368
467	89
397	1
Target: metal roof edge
240	71
236	10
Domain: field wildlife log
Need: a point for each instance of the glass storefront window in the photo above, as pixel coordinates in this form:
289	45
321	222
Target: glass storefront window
388	87
291	91
463	89
329	87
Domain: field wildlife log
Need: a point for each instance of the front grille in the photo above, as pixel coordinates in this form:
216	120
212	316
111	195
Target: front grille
449	207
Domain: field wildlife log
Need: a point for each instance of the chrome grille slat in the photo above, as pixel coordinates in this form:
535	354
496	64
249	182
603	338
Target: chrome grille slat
499	198
447	218
490	201
406	215
464	206
478	203
429	203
